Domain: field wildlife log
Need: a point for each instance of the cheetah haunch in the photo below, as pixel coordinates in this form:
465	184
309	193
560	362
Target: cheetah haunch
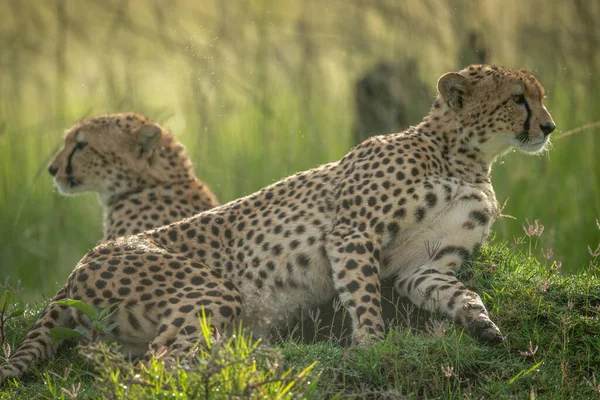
142	175
412	205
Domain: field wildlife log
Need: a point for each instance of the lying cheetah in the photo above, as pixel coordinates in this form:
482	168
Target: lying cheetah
142	175
413	205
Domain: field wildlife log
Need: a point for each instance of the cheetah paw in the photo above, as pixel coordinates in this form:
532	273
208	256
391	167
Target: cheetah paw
484	330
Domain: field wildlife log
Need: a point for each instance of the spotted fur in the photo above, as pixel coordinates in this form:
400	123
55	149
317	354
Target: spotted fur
142	174
412	205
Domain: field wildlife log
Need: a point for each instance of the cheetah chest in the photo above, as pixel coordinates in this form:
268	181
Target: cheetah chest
461	219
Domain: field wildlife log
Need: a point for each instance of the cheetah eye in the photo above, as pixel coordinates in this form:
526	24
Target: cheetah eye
519	98
80	145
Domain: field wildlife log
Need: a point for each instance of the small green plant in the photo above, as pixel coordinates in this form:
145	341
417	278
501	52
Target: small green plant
5	314
236	366
98	316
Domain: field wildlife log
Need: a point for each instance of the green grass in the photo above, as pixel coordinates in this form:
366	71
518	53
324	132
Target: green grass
551	323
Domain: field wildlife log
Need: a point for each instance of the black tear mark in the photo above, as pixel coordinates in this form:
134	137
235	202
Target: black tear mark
69	169
78	146
527	121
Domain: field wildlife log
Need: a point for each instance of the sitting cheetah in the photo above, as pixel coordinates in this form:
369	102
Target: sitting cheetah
142	175
412	205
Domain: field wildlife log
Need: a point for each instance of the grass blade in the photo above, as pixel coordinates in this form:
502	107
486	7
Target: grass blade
79	305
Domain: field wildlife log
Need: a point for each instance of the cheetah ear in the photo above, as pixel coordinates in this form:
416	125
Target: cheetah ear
146	138
454	88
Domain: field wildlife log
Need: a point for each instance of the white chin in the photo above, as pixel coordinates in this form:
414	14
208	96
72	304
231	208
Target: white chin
530	147
66	189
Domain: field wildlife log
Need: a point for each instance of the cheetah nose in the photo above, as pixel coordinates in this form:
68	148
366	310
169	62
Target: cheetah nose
52	169
547	128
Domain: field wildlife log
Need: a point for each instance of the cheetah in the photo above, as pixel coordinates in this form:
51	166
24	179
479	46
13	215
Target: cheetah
143	177
142	174
411	206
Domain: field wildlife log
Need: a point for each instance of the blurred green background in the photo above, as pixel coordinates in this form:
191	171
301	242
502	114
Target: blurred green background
260	89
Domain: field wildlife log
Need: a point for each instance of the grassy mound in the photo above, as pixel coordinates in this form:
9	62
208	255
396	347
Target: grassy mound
551	323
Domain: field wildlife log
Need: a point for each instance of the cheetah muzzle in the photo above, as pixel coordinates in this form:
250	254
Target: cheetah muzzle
422	199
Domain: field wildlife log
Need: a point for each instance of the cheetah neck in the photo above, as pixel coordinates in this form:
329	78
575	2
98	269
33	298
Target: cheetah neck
461	157
169	167
156	205
112	199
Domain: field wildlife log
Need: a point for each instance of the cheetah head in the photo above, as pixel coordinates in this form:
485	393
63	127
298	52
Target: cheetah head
114	154
498	109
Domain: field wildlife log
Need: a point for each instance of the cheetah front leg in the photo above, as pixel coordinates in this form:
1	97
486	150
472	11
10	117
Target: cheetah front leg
431	284
354	260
